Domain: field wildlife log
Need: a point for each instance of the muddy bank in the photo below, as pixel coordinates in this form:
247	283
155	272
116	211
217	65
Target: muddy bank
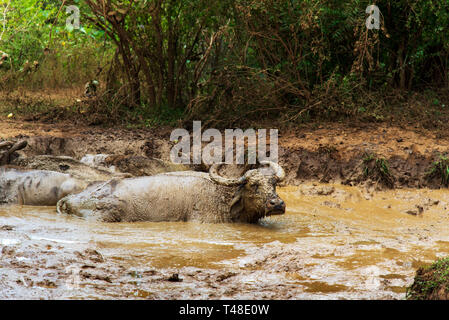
373	156
349	155
431	282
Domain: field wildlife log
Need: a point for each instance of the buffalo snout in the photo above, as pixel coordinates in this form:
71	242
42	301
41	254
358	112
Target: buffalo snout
274	206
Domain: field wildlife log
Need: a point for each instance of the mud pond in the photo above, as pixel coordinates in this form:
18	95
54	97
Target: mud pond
334	242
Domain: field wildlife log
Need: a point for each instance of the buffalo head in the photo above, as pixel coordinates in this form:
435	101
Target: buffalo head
256	195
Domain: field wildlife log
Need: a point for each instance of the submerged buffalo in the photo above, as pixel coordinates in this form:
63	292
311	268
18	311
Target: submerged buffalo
36	187
182	196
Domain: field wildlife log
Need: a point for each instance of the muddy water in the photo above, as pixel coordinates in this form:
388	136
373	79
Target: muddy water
334	242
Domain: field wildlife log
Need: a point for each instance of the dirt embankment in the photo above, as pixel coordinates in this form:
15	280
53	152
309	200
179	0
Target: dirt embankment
431	282
376	156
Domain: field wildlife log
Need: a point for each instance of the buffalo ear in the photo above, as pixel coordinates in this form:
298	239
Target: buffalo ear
237	205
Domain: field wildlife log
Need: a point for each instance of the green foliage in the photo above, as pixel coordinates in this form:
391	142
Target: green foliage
440	169
429	280
164	46
33	31
378	169
231	61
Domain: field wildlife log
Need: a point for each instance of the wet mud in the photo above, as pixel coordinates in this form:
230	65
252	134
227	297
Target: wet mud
334	242
345	235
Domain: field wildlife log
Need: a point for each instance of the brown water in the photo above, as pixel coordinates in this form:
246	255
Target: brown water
334	242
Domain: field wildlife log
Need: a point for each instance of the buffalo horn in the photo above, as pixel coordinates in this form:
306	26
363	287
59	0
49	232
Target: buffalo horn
277	169
213	173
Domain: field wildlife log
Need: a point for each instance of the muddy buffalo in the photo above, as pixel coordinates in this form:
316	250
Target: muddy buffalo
182	196
35	187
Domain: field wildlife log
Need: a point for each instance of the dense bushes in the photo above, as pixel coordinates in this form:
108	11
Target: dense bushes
34	31
317	58
228	62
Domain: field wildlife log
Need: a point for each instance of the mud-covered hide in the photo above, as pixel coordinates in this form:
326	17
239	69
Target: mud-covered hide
180	196
138	166
68	165
99	167
36	187
163	197
9	149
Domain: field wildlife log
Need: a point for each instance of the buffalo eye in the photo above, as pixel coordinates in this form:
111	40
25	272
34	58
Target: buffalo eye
254	187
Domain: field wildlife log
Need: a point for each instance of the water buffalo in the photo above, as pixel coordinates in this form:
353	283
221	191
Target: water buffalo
8	151
69	165
137	166
36	187
182	196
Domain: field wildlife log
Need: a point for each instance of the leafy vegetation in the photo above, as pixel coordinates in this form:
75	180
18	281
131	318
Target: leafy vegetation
234	61
377	169
440	170
34	32
431	282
